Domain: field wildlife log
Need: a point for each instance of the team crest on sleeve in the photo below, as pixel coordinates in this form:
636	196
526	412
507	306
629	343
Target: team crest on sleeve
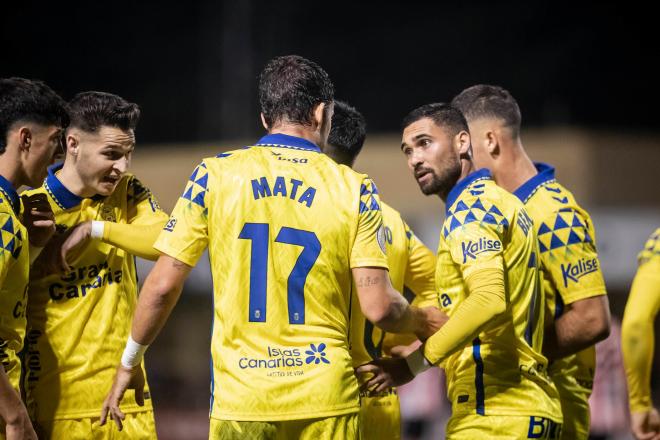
380	237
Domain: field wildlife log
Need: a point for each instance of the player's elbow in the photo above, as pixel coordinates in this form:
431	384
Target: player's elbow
598	325
386	315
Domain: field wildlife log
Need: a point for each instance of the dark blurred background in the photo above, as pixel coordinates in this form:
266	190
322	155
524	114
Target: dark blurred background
192	66
584	75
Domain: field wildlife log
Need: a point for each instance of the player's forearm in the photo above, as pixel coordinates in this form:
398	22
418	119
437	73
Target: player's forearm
11	407
485	302
135	239
398	316
158	297
582	325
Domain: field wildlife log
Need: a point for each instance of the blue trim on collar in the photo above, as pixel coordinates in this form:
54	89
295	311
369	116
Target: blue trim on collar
462	184
12	195
546	173
286	141
62	196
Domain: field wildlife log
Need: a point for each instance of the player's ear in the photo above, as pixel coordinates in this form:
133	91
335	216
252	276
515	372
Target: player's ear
24	138
263	121
462	143
72	143
319	114
492	143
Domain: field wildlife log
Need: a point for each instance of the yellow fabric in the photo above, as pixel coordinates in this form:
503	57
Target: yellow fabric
486	297
380	417
637	335
137	426
577	417
281	318
331	428
136	238
411	268
471	427
78	322
502	372
571	272
14	272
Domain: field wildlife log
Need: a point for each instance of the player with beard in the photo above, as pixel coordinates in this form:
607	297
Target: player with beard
83	289
489	283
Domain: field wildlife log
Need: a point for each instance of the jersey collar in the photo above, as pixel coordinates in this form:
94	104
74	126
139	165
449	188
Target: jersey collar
546	173
462	185
286	141
64	198
10	192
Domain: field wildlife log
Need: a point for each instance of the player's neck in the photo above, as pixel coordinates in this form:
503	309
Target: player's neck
297	130
10	169
72	181
515	168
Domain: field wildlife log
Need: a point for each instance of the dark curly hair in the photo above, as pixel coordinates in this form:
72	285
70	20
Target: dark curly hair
92	110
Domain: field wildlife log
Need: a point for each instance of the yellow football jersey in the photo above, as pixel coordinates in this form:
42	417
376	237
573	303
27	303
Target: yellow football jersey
570	267
284	224
412	270
14	272
503	371
78	322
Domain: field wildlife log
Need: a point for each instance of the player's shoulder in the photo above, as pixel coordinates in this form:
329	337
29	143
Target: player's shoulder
651	250
477	199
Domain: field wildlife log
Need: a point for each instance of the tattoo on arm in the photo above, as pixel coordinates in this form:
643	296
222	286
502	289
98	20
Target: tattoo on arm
368	281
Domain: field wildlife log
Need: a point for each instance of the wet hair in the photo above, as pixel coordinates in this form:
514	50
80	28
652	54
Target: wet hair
25	100
290	88
444	115
487	101
348	131
92	110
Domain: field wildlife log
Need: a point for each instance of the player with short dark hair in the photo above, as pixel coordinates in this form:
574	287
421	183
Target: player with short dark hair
288	231
32	117
83	289
490	286
577	310
411	270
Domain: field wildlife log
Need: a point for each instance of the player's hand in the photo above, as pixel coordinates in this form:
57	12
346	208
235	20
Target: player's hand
386	373
126	378
77	236
38	218
645	425
432	320
402	351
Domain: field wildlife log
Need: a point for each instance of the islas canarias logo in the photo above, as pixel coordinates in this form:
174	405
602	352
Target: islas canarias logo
473	248
287	357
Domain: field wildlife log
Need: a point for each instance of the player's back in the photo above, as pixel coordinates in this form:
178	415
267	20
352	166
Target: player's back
282	224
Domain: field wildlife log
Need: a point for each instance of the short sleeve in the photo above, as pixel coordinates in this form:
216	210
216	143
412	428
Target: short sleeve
369	245
420	271
185	235
569	256
11	244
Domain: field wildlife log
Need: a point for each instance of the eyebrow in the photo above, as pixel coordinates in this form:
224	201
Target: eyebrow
415	138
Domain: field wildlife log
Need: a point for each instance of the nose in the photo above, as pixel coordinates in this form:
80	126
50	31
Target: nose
121	165
416	159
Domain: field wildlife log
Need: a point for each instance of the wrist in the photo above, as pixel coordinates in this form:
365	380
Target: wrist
97	229
133	353
417	362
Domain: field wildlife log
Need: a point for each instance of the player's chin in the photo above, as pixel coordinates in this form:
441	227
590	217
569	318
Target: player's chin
106	188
